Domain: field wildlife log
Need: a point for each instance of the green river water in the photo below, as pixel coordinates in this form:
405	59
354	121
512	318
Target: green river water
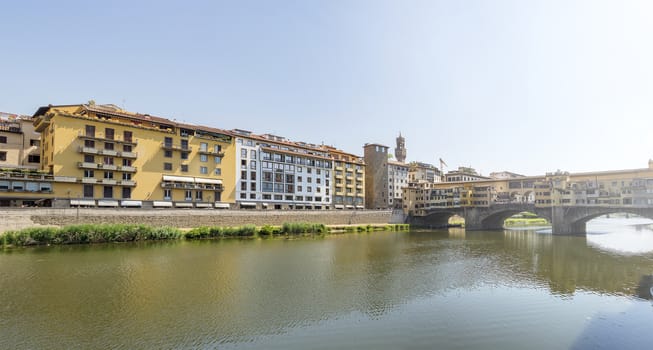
443	289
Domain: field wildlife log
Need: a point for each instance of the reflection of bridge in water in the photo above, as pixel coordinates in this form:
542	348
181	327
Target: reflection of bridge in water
568	201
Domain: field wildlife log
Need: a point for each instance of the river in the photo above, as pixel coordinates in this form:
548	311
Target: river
445	289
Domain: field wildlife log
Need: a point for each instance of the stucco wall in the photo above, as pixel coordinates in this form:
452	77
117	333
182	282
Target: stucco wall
27	217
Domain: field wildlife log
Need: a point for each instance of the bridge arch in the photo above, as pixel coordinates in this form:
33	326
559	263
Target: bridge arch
495	220
581	218
438	218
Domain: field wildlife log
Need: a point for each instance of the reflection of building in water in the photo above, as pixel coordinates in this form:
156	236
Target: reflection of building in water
645	288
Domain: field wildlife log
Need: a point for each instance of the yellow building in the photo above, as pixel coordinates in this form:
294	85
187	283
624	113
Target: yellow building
101	155
348	180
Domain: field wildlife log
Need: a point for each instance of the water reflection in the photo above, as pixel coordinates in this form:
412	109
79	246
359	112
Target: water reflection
206	294
621	235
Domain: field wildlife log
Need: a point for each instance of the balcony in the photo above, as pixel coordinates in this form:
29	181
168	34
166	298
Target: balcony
101	137
127	169
108	152
88	150
89	180
128	154
170	146
107	166
86	165
211	153
359	171
109	181
128	183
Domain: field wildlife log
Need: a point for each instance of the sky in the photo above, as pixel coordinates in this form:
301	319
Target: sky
523	86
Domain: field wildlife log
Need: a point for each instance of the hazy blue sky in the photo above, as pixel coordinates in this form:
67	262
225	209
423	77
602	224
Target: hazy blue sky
525	86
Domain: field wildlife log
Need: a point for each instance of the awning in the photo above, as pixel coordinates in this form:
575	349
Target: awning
360	207
161	204
183	205
203	205
339	206
350	207
265	205
222	205
178	178
107	203
202	180
247	204
131	203
82	202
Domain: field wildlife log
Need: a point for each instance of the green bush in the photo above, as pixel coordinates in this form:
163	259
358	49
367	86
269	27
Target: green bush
266	230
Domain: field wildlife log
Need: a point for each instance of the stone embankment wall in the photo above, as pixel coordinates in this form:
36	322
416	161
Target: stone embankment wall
12	219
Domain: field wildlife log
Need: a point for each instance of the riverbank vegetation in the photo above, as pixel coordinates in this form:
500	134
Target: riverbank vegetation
525	219
103	233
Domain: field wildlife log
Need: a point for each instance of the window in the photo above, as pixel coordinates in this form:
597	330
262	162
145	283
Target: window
217	160
89	173
189	195
250	143
243	153
108	133
217	148
108	192
204	158
252	186
184	168
126	162
89	158
126	192
126	176
167	153
252	154
217	171
33	142
184	144
243	186
90	130
167	194
204	146
167	142
89	143
167	166
309	170
184	155
252	164
204	170
3	139
127	136
108	145
88	191
243	174
108	175
108	160
33	158
252	176
198	195
126	148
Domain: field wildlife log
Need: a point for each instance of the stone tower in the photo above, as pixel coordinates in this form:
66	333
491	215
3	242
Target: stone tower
400	150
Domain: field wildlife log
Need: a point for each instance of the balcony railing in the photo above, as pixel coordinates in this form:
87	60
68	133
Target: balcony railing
127	169
87	165
88	150
174	147
108	166
211	152
128	154
101	137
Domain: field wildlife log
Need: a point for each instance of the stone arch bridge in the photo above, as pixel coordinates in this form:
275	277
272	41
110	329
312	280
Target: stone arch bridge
565	220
